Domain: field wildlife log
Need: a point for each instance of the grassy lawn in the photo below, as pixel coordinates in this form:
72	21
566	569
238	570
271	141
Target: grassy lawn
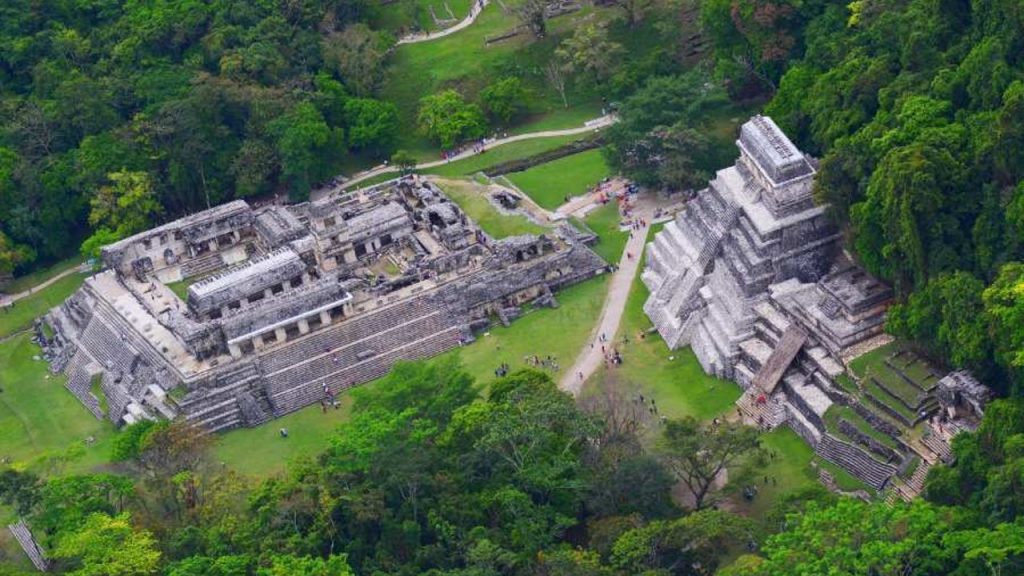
180	288
604	221
470	197
39	418
674	379
790	469
308	432
39	276
860	365
561	332
495	156
558	331
549	184
407	15
466	62
835	412
31	307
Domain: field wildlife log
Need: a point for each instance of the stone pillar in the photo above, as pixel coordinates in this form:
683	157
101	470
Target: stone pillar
267	292
305	277
346	308
236	235
257	342
236	352
224	311
303	326
325	317
281	334
212	244
243	301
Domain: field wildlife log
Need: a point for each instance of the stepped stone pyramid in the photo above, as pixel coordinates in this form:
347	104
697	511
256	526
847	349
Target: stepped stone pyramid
755	225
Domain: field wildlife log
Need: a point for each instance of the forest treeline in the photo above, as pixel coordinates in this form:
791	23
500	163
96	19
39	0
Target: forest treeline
167	107
433	477
208	100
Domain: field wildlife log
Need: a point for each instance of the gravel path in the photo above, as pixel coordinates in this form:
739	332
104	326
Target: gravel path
6	300
590	126
591	358
474	11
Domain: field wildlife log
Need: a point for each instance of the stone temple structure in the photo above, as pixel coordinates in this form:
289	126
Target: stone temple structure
288	305
751	275
754	226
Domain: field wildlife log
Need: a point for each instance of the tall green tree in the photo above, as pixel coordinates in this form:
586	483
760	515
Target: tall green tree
109	546
304	144
448	119
698	454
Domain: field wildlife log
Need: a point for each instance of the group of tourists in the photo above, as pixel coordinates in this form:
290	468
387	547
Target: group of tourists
550	362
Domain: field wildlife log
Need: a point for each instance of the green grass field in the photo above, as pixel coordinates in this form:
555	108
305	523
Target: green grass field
39	276
39	418
561	332
260	452
604	221
466	62
551	183
495	156
789	471
35	305
180	288
470	197
674	379
403	16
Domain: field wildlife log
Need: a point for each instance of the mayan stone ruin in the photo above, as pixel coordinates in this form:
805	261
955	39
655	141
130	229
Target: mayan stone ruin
752	277
289	305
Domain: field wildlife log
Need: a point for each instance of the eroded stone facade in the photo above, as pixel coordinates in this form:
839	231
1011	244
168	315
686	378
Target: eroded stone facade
751	276
288	305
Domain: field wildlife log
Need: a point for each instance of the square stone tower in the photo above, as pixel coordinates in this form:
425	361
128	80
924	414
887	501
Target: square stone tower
755	225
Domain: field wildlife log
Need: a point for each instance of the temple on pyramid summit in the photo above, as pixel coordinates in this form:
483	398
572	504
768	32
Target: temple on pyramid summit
752	277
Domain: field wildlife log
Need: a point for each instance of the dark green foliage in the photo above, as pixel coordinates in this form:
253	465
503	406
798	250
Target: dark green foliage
448	119
916	111
504	100
193	94
659	140
132	439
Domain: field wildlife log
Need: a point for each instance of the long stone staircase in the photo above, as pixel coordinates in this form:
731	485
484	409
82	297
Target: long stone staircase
855	461
354	351
79	383
767	415
940	448
202	265
217	407
28	543
782	356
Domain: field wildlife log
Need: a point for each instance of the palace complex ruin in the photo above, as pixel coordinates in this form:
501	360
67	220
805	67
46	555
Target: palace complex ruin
288	305
751	275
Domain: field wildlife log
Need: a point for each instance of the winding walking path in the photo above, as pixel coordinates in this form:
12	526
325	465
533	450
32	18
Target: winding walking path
591	358
8	299
474	11
592	125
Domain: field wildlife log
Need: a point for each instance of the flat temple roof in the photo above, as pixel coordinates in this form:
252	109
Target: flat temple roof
268	263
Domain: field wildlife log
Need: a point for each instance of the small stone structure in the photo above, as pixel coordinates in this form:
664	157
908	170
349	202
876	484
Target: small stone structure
751	276
289	305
